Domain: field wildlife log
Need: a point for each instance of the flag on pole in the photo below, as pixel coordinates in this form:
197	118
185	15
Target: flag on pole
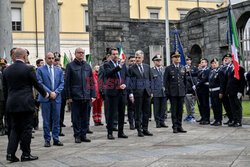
177	46
89	59
65	60
70	57
234	42
121	53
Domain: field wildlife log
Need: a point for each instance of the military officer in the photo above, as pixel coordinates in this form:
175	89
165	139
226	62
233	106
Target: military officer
158	90
175	84
214	89
202	88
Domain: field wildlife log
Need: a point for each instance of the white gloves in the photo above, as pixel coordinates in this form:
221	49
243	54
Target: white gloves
239	95
194	87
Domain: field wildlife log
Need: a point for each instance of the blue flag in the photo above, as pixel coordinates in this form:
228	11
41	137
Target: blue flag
178	47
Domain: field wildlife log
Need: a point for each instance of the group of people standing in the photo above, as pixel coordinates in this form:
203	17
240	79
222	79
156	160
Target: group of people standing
117	84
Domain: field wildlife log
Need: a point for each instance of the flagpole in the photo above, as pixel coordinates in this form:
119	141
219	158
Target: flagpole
167	40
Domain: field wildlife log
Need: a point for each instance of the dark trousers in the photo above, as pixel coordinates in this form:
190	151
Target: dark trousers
89	111
131	111
80	117
227	107
142	105
62	112
216	105
236	107
106	112
160	106
176	110
3	118
204	106
22	124
116	107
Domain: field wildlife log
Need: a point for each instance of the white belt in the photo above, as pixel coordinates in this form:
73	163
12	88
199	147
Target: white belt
206	83
214	89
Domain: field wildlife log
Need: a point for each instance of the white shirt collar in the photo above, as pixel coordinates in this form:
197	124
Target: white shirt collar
20	60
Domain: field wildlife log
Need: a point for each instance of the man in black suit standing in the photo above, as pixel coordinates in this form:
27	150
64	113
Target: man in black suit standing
18	80
140	93
116	75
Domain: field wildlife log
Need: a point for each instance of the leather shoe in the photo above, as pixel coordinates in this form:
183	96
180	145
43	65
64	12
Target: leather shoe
63	125
122	135
140	134
57	143
47	144
216	123
199	120
12	158
204	123
77	140
85	139
89	131
228	122
164	125
131	127
175	130
158	126
181	130
61	134
237	124
110	137
28	158
114	129
231	124
147	133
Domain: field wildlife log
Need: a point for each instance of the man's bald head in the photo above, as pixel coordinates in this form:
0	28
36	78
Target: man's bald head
20	53
50	58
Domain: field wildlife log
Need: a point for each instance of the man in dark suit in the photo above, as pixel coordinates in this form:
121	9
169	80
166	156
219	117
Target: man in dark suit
140	93
158	90
51	77
18	80
116	75
175	84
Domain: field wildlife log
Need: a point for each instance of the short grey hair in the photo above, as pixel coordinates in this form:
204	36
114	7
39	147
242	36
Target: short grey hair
79	48
139	52
48	54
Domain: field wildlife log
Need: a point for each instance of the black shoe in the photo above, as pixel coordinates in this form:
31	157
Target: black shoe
199	120
175	130
163	125
110	137
147	133
181	130
131	127
228	122
28	158
85	139
101	124
61	134
63	125
158	126
237	124
89	131
11	158
114	129
47	144
204	122
125	122
140	134
122	135
231	124
77	140
32	136
36	128
217	123
57	143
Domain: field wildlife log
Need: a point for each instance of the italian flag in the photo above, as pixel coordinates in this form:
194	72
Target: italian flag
121	53
66	60
234	43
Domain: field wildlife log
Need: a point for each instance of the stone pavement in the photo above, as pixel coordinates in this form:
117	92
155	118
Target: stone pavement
202	146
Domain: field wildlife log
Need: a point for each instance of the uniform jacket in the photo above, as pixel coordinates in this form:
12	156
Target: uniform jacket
203	80
214	79
158	88
191	78
79	81
139	83
18	80
175	80
43	77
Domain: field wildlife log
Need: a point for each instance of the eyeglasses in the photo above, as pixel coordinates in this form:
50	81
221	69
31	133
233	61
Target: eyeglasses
80	52
51	58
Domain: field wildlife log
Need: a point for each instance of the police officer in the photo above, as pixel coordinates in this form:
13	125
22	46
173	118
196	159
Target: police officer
158	90
202	88
214	89
227	62
175	84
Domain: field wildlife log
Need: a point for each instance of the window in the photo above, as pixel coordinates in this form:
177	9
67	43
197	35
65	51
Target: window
86	21
182	12
154	15
16	19
154	12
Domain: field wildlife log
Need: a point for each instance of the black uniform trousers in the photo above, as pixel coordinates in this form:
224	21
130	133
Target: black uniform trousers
131	111
116	107
204	106
160	106
216	105
21	131
142	109
176	111
227	107
236	107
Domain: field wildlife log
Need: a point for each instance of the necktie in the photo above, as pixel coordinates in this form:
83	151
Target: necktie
119	74
51	77
141	70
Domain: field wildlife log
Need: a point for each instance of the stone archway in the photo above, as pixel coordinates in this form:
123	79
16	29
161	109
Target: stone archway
195	54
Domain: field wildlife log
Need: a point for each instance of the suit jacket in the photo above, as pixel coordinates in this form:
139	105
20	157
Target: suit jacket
175	81
113	81
18	80
43	77
1	87
158	88
138	83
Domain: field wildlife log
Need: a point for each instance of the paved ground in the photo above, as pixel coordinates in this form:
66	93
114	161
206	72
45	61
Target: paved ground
202	146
